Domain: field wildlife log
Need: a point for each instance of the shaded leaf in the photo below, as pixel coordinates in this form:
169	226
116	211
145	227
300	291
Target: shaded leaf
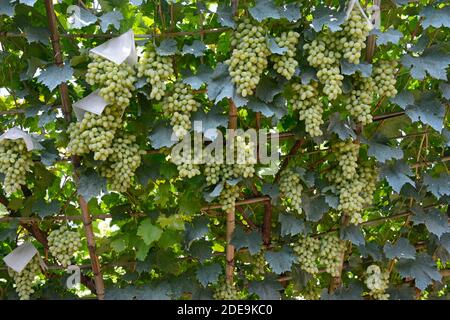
291	225
209	274
314	207
44	209
267	289
149	232
111	18
379	148
162	136
432	61
225	15
364	68
202	76
422	269
267	89
251	240
91	185
280	261
167	47
396	174
264	9
274	48
435	221
197	48
6	8
208	123
403	99
343	128
401	249
427	109
435	17
391	35
440	186
324	16
354	234
353	292
54	76
197	229
35	35
201	249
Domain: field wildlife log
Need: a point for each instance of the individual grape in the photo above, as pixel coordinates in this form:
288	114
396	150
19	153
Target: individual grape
353	36
157	69
331	249
15	161
307	253
377	282
384	76
291	188
179	105
361	99
122	163
305	98
63	243
115	81
95	133
285	64
249	57
226	292
228	197
25	279
347	155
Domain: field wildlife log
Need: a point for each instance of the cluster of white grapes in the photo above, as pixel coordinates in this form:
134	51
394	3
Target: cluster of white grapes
15	161
115	81
187	165
323	55
384	75
228	197
311	291
157	69
331	249
25	279
368	174
249	58
226	292
377	282
122	163
361	99
353	36
286	63
63	243
307	252
245	157
327	251
179	105
291	188
305	98
347	155
95	133
259	265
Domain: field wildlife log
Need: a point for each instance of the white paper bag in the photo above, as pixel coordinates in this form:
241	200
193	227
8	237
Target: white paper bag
21	256
120	49
15	133
92	103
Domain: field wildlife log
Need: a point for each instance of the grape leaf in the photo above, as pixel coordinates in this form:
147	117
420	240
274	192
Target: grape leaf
422	269
49	154
403	292
208	123
260	106
220	85
290	11
119	244
6	8
197	48
445	89
148	292
439	187
427	109
215	192
352	292
324	16
403	99
291	225
401	249
343	128
209	274
274	48
28	2
202	76
354	234
251	240
201	249
136	2
167	47
435	17
307	74
44	209
267	289
225	15
379	148
149	232
433	61
348	68
391	35
314	207
80	17
111	18
271	190
372	249
396	174
195	230
54	76
35	35
91	185
267	89
280	261
435	221
10	232
162	136
445	241
264	9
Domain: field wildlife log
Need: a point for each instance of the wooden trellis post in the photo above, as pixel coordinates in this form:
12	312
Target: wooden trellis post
66	108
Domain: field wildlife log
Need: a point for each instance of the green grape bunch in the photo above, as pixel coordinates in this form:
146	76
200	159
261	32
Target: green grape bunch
63	243
385	78
353	36
291	189
157	69
285	64
120	167
15	161
331	250
179	105
228	197
226	292
95	133
115	81
305	98
260	263
361	99
249	58
307	253
188	166
25	280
